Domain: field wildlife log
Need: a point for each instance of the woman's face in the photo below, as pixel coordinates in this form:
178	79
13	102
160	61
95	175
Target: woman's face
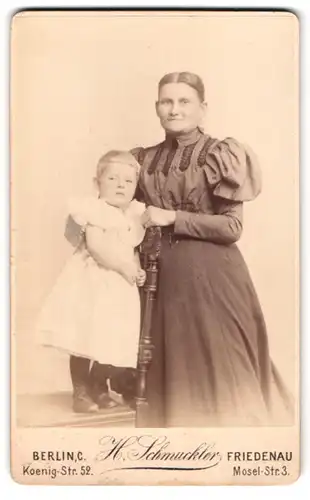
179	108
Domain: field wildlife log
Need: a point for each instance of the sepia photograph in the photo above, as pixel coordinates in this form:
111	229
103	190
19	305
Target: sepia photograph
154	247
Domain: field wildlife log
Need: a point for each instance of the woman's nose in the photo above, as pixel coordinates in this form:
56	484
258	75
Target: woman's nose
174	110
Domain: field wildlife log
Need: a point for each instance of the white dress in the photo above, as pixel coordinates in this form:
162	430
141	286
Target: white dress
94	312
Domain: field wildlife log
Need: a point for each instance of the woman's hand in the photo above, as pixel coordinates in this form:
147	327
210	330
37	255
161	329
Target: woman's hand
154	216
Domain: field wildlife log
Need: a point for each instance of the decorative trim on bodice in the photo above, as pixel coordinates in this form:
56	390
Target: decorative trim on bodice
161	157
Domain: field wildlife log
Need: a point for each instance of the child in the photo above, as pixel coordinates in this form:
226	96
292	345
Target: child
93	312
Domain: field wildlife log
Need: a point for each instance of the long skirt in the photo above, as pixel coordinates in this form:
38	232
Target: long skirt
211	363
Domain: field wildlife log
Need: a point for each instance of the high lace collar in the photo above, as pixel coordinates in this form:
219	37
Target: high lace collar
184	139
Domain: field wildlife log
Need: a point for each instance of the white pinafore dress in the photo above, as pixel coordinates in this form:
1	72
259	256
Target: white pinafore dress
94	312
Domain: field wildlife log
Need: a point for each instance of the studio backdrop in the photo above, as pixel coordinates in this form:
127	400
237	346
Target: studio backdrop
90	85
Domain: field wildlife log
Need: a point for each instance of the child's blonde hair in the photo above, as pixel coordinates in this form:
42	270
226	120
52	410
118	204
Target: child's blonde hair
117	156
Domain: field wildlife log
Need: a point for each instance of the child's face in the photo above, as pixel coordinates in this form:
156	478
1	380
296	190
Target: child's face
117	184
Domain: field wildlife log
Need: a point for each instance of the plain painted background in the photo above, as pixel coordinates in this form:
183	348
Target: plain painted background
82	85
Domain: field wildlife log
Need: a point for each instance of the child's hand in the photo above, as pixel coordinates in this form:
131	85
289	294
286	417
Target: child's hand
141	277
129	272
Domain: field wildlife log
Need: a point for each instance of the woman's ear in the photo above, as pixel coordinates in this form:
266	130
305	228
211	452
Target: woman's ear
204	106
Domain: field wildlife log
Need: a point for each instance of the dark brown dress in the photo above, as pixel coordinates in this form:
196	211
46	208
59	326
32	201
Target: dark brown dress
211	363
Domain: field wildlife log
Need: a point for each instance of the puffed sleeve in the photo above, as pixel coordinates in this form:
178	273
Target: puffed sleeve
234	177
139	154
233	172
91	211
76	221
87	211
79	209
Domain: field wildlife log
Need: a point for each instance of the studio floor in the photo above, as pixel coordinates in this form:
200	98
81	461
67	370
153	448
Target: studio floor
55	410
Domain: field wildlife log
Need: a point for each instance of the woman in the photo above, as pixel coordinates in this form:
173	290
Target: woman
211	362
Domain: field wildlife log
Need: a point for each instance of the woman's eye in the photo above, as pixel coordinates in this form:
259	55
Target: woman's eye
184	101
111	178
129	181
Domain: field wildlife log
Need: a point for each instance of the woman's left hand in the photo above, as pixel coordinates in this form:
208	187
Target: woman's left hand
154	216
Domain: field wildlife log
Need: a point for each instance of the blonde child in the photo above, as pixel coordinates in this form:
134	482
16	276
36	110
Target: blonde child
93	312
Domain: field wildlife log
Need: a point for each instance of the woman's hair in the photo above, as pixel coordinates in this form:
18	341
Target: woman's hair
116	156
190	79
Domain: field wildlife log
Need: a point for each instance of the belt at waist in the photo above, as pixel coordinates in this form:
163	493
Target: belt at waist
168	234
157	236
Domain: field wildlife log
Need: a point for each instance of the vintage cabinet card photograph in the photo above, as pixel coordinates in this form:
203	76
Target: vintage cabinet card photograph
154	247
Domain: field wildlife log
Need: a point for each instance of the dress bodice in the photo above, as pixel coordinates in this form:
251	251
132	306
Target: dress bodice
188	173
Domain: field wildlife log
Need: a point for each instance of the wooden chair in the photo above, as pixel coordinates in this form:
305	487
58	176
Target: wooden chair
149	250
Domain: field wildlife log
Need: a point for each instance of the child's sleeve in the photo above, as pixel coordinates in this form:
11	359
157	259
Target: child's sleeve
81	212
75	222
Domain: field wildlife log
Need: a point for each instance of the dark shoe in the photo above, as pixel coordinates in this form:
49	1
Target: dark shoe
105	402
82	403
123	381
98	379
